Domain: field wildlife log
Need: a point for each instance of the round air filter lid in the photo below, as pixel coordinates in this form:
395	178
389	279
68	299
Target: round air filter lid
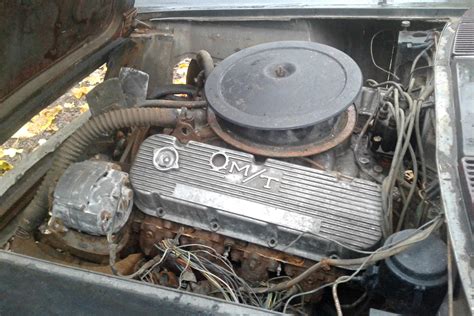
283	85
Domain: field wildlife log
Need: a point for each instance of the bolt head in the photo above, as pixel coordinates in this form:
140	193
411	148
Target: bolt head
364	160
378	168
377	139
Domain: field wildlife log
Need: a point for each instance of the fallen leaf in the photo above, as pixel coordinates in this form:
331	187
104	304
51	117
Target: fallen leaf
5	166
23	132
84	108
94	78
68	105
180	71
53	127
39	123
43	120
11	152
180	81
81	91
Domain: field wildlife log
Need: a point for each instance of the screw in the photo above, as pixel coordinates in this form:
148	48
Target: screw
214	226
272	242
406	24
164	161
160	212
105	216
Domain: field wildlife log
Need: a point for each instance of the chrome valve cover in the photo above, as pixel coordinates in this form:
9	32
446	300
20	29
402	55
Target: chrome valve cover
284	206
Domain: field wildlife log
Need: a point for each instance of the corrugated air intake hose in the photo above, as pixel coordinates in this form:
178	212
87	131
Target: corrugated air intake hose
75	146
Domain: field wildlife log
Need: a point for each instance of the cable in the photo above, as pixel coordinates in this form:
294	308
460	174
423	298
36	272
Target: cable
374	84
174	104
412	189
372	56
336	300
377	255
407	121
430	67
165	90
356	302
359	138
304	294
423	53
184	270
221	277
405	126
387	184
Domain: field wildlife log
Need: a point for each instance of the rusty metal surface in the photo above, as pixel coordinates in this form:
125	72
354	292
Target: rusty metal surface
41	32
155	229
141	134
43	51
447	158
31	287
92	248
255	263
47	252
188	128
348	124
184	130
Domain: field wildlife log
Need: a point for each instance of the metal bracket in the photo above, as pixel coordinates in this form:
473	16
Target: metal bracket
128	18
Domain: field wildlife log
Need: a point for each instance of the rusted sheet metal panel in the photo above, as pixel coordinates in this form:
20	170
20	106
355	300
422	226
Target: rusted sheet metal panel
36	34
43	40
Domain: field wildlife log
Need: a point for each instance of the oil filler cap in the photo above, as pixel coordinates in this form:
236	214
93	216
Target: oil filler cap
283	85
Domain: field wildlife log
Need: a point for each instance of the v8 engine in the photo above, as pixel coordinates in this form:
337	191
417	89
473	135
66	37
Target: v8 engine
270	203
275	174
284	99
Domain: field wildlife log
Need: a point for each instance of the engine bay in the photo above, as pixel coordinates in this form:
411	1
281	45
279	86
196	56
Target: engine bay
280	176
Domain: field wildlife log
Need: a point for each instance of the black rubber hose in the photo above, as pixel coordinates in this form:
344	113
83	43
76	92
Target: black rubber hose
162	91
161	103
205	61
72	149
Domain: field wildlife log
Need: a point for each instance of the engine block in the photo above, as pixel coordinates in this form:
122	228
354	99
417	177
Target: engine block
284	206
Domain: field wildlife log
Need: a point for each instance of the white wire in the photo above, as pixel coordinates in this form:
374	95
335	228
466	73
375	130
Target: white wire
386	249
373	59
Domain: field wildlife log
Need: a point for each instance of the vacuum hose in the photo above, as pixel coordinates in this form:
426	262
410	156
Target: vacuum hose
204	60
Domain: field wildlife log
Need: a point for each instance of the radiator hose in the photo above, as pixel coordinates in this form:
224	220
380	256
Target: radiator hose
72	149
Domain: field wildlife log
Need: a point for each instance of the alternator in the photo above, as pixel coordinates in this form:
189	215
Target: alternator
93	197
